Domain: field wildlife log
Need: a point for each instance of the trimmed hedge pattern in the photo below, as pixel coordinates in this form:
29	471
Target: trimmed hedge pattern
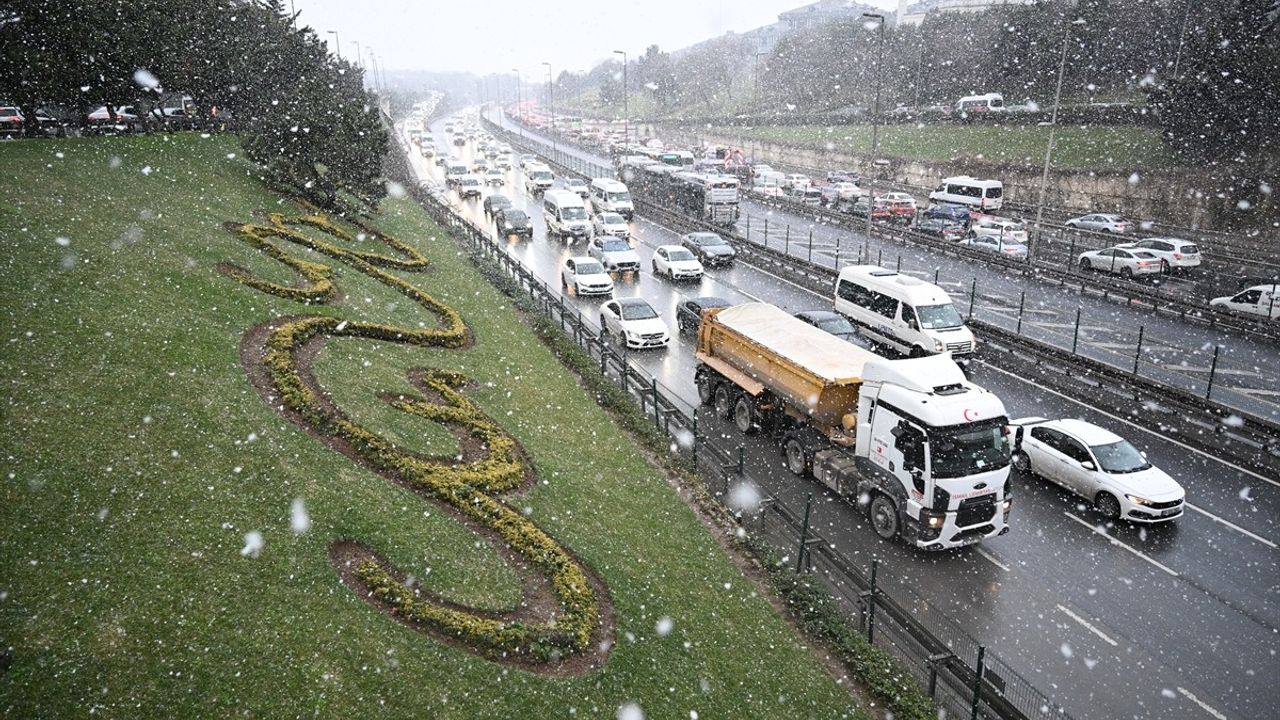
463	486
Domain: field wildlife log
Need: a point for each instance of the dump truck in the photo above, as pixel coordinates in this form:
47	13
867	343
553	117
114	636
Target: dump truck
924	450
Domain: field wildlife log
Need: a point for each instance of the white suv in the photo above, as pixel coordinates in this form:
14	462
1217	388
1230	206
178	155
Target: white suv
1174	254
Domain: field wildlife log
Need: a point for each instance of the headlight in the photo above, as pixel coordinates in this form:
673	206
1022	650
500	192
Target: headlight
1006	505
1138	500
933	520
939	346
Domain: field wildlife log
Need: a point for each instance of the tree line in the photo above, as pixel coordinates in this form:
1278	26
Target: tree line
300	112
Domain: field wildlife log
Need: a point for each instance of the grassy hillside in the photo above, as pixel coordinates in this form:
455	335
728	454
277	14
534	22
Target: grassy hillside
1095	147
137	456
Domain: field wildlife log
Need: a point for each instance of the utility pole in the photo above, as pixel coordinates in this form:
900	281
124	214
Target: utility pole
1048	149
875	121
626	114
1182	34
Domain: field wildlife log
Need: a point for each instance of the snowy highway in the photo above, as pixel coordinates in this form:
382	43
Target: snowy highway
1181	620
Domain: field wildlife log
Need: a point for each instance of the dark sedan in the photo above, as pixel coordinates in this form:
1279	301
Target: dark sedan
513	221
831	322
710	248
949	230
689	312
495	203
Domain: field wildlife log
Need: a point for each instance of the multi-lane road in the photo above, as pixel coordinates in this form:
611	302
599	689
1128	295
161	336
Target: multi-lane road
1115	621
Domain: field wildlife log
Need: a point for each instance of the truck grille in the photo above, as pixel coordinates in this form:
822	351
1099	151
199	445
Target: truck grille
976	510
960	347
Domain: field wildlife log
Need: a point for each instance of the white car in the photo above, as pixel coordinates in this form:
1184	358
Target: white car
990	226
495	177
1174	254
503	161
986	243
1261	300
635	321
676	262
1101	222
1128	263
470	186
585	276
1097	465
611	223
795	180
615	254
577	185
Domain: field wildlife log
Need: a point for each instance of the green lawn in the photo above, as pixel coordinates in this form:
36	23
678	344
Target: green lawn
136	456
1096	147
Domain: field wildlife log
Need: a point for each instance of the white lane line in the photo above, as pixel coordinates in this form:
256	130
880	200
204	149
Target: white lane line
991	558
1117	543
1231	525
1130	423
1088	626
1203	705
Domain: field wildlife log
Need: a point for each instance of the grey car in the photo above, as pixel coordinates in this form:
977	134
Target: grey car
710	248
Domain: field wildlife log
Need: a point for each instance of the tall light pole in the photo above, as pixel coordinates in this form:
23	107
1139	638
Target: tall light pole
337	46
359	55
755	78
875	120
519	103
626	114
551	108
1048	148
1182	35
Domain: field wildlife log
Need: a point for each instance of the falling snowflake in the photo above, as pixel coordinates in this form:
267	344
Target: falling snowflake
253	543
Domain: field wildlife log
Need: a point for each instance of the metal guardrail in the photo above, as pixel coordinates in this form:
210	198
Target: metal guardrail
1250	438
942	657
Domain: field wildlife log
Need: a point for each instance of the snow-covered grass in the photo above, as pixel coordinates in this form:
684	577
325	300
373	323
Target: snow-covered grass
138	462
1092	148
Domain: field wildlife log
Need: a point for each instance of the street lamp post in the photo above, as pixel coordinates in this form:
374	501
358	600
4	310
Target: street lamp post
337	46
755	78
519	103
626	113
551	106
359	55
1048	149
875	120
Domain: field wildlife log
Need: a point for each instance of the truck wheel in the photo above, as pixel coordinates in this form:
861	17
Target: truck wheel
797	458
884	517
705	389
744	414
724	404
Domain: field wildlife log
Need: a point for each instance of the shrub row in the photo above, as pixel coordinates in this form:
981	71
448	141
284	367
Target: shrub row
463	486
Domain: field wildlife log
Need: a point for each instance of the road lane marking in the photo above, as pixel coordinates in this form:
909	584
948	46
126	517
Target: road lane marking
1088	626
1231	525
1203	705
1117	543
991	558
1130	423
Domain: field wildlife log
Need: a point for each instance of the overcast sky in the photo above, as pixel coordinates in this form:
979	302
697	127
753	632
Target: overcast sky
485	37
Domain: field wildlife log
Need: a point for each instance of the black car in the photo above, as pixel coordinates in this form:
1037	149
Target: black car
689	312
710	248
949	230
495	203
513	221
949	211
832	322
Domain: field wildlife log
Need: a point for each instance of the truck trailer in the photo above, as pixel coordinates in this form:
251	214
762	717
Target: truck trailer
924	450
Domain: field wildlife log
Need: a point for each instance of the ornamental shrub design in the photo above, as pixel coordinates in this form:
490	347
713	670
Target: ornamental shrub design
492	460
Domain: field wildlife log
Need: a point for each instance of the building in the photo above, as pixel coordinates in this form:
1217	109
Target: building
915	13
823	12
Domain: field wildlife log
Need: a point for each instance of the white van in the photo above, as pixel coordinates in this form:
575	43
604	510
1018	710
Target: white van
454	171
566	214
904	313
538	178
986	102
608	195
1263	300
965	190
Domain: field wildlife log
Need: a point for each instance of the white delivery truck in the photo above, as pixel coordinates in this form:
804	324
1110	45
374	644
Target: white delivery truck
923	449
903	313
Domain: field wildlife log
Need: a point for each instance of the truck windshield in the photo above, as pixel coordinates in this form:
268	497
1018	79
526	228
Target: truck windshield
961	450
939	317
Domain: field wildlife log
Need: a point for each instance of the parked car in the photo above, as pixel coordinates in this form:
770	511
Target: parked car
577	185
1128	263
711	249
676	262
901	205
689	312
805	195
1004	229
1261	300
948	230
635	321
126	120
1174	254
513	221
1101	222
611	223
11	121
494	176
585	276
494	203
995	245
949	211
1099	466
795	180
833	193
831	322
615	254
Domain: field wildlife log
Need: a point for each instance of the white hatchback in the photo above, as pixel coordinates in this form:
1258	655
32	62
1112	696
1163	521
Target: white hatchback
635	321
585	276
611	223
676	262
1097	465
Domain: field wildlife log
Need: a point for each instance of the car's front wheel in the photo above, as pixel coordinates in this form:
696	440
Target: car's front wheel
1107	505
1085	265
1022	463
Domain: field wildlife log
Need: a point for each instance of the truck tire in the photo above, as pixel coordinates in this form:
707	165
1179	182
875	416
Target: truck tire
744	414
884	516
723	401
797	458
706	389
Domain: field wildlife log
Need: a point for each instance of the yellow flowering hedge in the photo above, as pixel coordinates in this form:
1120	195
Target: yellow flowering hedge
466	487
